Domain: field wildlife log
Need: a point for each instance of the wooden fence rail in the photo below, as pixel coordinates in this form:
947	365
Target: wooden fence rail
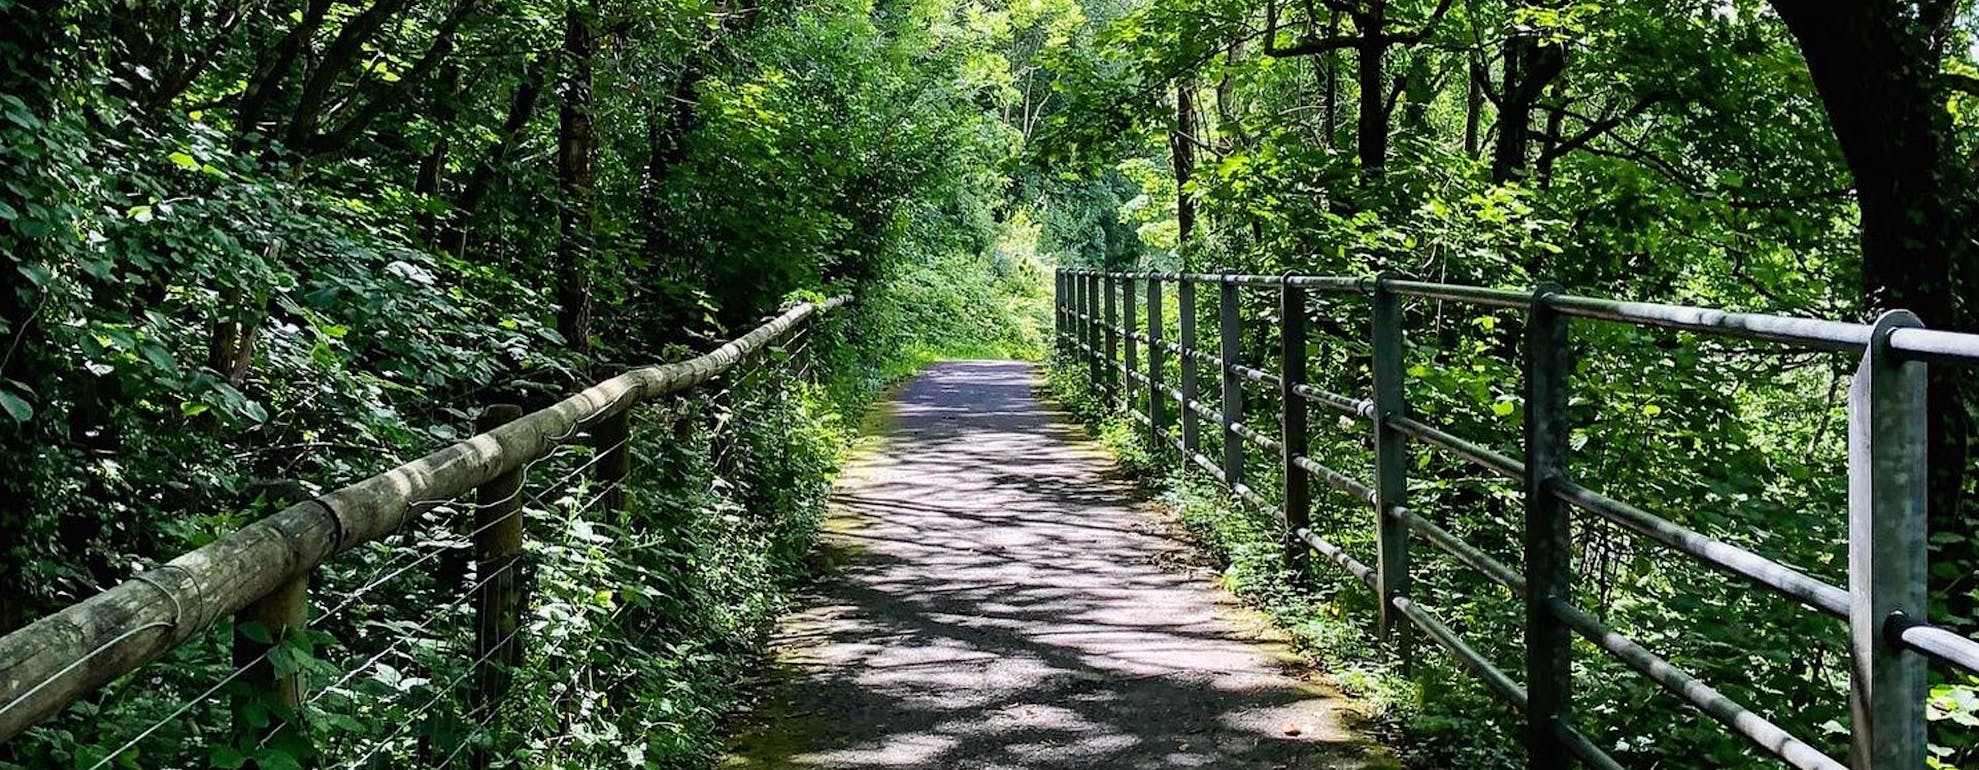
260	573
1890	638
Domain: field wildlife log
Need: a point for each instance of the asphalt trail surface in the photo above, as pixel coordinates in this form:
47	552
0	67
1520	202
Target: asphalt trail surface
1001	599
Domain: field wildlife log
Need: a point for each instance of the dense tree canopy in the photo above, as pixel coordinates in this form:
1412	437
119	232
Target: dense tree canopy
248	243
1804	158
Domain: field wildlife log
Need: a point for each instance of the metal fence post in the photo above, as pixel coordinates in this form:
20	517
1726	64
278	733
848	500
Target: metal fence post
1292	422
1110	322
1058	309
498	602
1131	359
1157	358
1075	285
1094	367
1230	331
1391	462
1548	534
613	441
1068	287
1185	299
1086	328
1887	481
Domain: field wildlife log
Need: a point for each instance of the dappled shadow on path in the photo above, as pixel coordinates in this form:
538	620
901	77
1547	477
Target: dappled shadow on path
999	606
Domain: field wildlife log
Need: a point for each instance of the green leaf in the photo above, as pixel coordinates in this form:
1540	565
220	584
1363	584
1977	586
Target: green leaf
159	357
184	161
273	759
36	274
226	757
17	407
257	633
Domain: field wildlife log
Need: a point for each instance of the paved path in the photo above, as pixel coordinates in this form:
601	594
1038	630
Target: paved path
1003	602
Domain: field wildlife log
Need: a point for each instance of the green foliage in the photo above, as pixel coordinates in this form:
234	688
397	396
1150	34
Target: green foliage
255	252
1672	152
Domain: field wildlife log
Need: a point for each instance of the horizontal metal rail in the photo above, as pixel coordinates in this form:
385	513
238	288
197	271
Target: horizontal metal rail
1706	698
1880	639
1476	454
1834	335
1254	438
1471	294
1471	556
1352	407
1337	555
1340	480
1584	749
1255	375
1934	346
1493	677
1781	579
1938	643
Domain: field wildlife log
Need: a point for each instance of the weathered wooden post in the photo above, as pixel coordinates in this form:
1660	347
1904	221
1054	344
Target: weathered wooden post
1391	462
1548	534
1230	332
271	711
1185	299
498	602
1292	422
1887	481
1157	358
1110	324
613	440
1130	360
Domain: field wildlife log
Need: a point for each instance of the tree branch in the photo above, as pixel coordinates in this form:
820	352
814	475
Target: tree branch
1596	129
442	47
1962	83
343	49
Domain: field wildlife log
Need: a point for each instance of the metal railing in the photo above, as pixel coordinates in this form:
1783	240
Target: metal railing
1890	639
463	508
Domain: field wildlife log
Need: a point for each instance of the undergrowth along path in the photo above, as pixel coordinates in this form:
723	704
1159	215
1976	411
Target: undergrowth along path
1002	599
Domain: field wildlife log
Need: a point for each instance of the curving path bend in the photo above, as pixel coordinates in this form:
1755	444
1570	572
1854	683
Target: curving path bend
1002	601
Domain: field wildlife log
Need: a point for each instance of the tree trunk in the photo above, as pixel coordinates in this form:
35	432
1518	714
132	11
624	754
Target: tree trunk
1229	128
1473	111
1182	143
1333	83
1371	141
1875	66
1529	69
1543	167
667	134
446	107
522	109
577	150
